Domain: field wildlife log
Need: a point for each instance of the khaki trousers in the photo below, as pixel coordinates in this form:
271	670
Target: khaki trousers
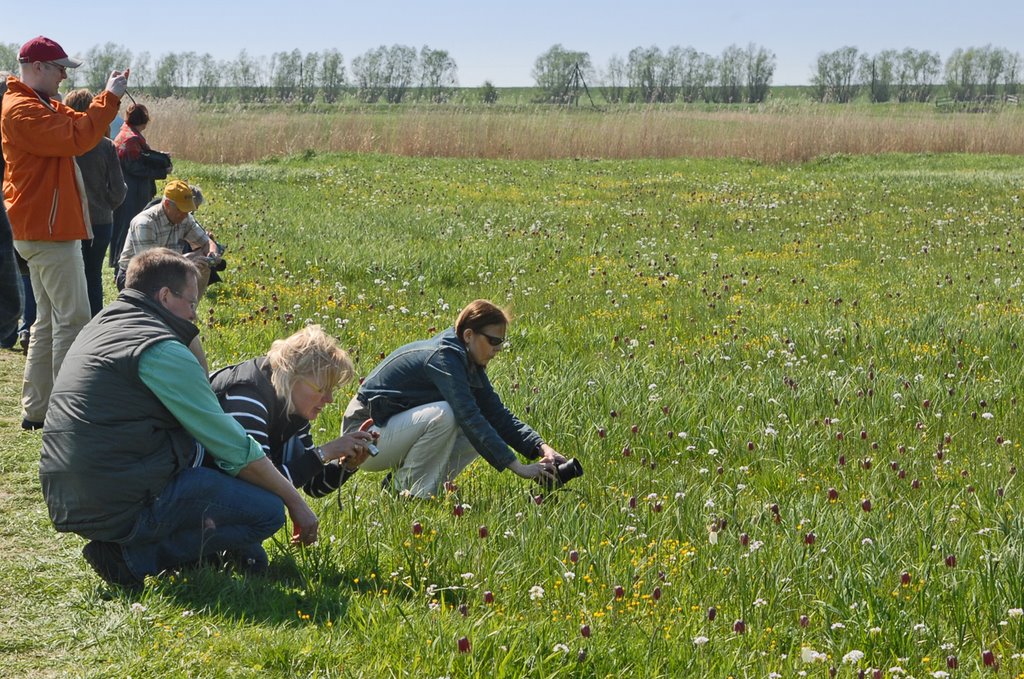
62	310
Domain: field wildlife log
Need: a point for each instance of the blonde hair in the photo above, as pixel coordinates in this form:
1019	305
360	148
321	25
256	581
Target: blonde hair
309	354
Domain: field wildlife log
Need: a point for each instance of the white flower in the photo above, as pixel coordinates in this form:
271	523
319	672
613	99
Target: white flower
560	648
467	576
713	537
536	592
939	674
838	625
138	608
569	576
186	614
809	655
710	504
434	606
987	416
1015	612
756	545
875	630
867	542
758	602
700	641
920	627
853	657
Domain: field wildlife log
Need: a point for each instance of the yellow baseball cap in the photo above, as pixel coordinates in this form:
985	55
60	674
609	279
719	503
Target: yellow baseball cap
180	193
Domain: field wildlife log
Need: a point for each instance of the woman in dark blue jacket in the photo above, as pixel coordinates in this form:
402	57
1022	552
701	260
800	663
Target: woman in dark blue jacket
436	409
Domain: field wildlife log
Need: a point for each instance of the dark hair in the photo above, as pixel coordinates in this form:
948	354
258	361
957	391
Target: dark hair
159	268
136	115
478	314
78	99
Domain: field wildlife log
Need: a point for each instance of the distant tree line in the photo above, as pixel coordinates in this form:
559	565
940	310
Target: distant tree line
399	73
392	74
913	75
649	75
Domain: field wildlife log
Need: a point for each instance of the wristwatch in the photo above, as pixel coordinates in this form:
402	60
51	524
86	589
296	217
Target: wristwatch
320	454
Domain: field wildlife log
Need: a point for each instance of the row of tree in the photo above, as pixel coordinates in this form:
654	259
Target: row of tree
380	74
650	75
913	75
647	74
744	75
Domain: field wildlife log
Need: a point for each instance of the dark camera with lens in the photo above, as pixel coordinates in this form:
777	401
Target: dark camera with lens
564	473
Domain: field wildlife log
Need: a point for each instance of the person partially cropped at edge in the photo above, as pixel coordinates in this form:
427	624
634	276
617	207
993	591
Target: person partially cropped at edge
437	411
129	411
275	397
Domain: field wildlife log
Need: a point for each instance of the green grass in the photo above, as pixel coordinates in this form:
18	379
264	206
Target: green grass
758	325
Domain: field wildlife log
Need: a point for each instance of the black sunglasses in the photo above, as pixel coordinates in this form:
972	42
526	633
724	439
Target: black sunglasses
492	340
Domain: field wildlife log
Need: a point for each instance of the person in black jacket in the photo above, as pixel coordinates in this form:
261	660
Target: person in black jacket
437	411
141	166
275	397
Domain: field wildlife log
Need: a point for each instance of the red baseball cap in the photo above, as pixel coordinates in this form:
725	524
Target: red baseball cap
44	49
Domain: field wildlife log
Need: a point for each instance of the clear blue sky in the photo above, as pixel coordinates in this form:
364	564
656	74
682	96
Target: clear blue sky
499	41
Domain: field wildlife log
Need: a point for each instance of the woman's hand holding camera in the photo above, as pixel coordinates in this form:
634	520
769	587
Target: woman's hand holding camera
350	449
542	471
550	455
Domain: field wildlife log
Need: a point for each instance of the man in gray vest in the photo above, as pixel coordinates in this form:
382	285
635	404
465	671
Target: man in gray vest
128	410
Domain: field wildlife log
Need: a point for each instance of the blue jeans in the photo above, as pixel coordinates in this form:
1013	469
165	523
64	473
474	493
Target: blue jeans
93	254
202	512
28	319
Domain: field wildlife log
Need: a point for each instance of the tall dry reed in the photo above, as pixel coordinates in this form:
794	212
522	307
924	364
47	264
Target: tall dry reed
772	134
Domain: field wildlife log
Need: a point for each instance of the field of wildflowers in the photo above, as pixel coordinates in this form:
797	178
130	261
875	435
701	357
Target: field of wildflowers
793	389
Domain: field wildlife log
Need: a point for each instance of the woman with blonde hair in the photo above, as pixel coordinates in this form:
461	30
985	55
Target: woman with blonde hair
275	397
437	411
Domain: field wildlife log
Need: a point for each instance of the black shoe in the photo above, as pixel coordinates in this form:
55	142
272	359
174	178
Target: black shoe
29	425
385	485
108	561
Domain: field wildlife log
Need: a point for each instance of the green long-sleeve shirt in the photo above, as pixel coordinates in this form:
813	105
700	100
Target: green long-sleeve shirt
174	375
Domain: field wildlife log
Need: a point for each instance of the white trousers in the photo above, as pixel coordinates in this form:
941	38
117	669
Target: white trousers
425	446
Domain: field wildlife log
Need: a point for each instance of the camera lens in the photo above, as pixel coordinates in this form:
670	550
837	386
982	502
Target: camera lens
568	470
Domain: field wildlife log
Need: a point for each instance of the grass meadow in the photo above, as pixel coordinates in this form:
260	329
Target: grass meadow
793	388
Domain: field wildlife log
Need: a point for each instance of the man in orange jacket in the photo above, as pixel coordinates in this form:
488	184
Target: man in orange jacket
45	202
